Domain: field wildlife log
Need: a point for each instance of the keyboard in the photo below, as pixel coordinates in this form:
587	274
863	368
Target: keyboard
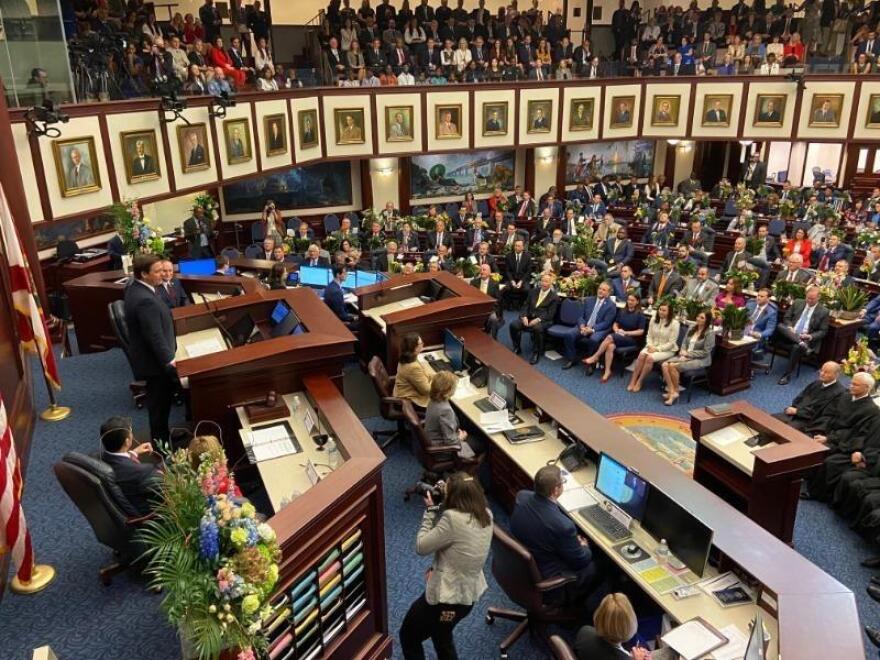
438	365
485	405
608	524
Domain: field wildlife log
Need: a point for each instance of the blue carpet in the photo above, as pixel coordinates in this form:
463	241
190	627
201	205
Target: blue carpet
82	620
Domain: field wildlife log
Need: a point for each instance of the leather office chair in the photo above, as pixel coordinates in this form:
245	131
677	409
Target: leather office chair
258	232
91	485
436	459
390	407
116	309
570	312
231	252
517	573
331	223
254	251
560	648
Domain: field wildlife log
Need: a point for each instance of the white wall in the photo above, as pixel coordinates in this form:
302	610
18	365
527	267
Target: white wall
384	178
684	161
546	166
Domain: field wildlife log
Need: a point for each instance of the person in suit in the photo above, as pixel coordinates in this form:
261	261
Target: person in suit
618	251
539	121
544	225
276	136
716	114
536	314
622	115
78	173
825	114
834	251
679	68
614	623
756	173
439	236
459	536
594	325
763	317
737	258
308	131
485	283
701	287
811	409
314	259
518	269
139	480
526	207
550	535
196	149
769	113
236	144
335	298
407	238
115	250
624	284
768	253
871	316
152	342
170	291
142	163
804	326
695	238
665	282
482	256
793	271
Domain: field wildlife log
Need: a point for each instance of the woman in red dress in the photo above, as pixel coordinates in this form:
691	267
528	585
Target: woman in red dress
220	58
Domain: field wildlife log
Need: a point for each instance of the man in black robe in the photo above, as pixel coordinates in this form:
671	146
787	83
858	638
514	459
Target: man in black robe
810	411
849	438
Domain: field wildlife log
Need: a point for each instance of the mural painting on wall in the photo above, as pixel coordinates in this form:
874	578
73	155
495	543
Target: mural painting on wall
624	158
478	172
323	185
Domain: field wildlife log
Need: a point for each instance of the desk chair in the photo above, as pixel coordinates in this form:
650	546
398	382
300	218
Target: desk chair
570	312
231	253
116	309
390	407
258	232
689	379
436	459
517	573
91	485
254	251
331	223
560	648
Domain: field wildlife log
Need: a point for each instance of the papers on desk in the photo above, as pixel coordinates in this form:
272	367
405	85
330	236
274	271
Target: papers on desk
269	442
350	298
495	421
735	649
729	435
204	347
727	590
410	302
694	639
576	498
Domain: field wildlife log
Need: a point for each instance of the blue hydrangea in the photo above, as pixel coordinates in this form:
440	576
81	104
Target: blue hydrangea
209	538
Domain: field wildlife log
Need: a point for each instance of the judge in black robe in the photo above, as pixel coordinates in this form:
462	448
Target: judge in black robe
811	411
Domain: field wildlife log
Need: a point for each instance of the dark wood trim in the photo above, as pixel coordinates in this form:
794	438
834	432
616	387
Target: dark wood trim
854	111
425	125
366	177
515	115
374	122
108	158
692	104
257	151
743	109
795	120
473	125
169	167
403	184
669	165
561	167
42	177
322	123
529	181
290	125
216	139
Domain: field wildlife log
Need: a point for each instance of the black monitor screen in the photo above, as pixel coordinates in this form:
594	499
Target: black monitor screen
687	537
622	486
453	348
288	325
503	386
241	330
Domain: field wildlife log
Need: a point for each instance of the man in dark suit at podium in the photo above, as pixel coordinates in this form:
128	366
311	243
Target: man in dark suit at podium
152	342
535	317
518	268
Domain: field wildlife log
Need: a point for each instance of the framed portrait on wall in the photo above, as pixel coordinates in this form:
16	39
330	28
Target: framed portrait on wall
769	110
873	118
307	123
141	154
447	122
825	111
716	110
77	165
495	118
622	108
237	134
192	141
399	123
540	116
580	115
349	123
275	130
665	110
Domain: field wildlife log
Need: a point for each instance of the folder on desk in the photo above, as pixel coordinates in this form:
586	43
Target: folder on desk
693	639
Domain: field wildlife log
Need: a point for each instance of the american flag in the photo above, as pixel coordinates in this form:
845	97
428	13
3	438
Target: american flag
14	533
32	331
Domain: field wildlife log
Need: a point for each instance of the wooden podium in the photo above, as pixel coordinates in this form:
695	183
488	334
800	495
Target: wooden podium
762	482
90	294
425	303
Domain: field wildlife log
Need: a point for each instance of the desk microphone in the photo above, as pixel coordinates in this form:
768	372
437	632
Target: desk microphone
226	335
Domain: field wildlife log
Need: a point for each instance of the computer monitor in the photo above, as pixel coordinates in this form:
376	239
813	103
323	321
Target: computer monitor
622	486
367	277
504	386
314	276
197	267
351	280
289	321
755	646
279	312
687	537
453	348
241	330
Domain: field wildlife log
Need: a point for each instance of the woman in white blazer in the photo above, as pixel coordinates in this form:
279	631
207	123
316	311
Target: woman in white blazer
661	344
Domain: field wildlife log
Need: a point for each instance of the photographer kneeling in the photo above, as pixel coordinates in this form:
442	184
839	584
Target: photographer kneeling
460	539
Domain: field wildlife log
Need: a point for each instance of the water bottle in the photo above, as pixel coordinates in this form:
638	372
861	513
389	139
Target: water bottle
296	402
334	459
662	551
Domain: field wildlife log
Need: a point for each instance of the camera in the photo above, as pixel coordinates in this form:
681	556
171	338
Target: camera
424	488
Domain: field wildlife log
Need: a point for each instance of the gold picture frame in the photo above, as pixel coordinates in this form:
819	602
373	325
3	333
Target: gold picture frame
399	123
237	138
307	126
350	127
716	110
140	151
275	132
622	111
76	163
192	141
825	111
873	118
580	114
769	110
495	118
665	110
539	115
447	121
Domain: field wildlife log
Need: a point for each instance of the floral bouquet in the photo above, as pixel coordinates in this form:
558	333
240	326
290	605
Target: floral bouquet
138	234
213	558
209	204
745	198
861	359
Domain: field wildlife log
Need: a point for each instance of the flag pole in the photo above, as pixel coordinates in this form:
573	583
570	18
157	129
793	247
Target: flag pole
54	413
41	577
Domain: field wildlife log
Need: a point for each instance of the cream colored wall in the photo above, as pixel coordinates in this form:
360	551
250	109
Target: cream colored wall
176	133
611	93
385	181
732	89
591	93
789	89
137	121
386	101
263	110
438	99
825	88
28	173
302	105
331	105
169	214
546	167
527	96
861	129
684	161
242	111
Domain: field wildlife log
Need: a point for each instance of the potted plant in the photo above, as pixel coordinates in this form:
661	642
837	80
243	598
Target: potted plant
686	267
466	268
787	292
138	234
583	245
787	208
745	278
691	307
850	301
861	359
733	321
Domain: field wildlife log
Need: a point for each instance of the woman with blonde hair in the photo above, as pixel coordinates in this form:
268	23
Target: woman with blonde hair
614	623
441	422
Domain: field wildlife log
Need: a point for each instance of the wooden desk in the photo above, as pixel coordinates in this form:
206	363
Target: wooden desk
731	369
90	294
763	483
816	615
841	337
456	304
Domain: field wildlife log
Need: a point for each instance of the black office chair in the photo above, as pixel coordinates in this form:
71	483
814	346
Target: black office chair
690	379
517	573
390	407
91	485
116	309
561	649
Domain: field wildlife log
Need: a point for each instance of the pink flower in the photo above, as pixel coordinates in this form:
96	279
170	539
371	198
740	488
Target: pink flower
246	654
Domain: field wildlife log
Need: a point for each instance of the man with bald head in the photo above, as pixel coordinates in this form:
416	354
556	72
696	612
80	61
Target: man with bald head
809	410
803	329
851	437
794	271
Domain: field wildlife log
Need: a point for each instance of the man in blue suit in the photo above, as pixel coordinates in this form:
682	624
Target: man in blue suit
597	208
593	327
832	253
335	298
762	319
621	285
619	251
542	526
871	315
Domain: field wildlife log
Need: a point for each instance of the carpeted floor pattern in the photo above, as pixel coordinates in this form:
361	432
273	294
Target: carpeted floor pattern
82	620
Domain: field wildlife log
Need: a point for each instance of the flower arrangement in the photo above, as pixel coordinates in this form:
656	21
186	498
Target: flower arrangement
686	267
214	560
654	262
370	216
138	234
733	321
745	278
580	286
331	243
745	197
849	301
787	208
690	307
725	190
708	217
397	268
641	212
583	245
786	292
827	290
466	268
295	245
861	359
209	204
574	204
867	237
